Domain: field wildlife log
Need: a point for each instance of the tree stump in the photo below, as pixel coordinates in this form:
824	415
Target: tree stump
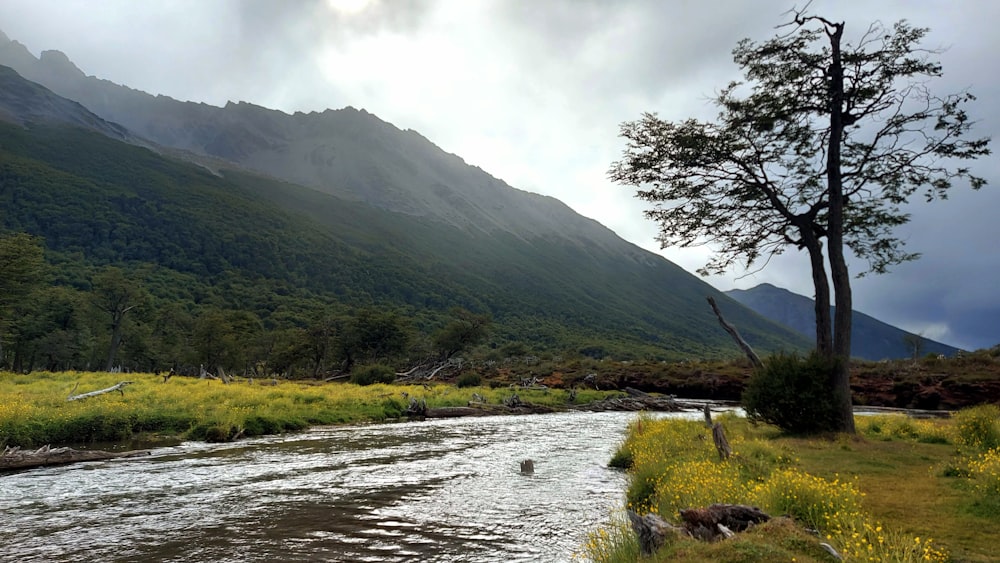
721	443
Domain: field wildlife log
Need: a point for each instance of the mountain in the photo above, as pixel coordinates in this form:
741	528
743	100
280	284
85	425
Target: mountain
348	152
23	102
871	339
347	208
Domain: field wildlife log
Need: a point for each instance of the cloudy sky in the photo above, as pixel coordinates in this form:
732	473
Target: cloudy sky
533	91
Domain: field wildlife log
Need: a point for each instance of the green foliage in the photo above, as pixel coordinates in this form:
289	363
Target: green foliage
372	336
622	458
295	258
468	379
792	393
373	373
22	267
463	332
979	427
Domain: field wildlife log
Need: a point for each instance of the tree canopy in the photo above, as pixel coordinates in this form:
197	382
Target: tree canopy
817	149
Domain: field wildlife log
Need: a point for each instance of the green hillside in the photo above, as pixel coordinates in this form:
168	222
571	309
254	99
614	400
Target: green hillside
285	255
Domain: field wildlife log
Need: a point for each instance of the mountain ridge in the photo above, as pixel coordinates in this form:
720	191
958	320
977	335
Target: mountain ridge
560	268
871	339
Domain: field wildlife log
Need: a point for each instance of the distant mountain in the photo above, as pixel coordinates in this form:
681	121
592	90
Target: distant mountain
387	219
871	339
23	102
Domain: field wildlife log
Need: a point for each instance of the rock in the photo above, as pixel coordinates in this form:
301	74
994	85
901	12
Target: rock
653	531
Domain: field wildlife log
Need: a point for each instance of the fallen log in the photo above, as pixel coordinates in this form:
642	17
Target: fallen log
16	458
633	400
454	412
117	387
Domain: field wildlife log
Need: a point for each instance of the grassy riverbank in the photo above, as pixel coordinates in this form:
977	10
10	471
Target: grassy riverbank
34	410
902	490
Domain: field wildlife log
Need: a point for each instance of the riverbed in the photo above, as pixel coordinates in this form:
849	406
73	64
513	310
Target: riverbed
438	490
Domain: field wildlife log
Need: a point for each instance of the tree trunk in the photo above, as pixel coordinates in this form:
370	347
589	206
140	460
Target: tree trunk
116	339
821	286
840	378
16	458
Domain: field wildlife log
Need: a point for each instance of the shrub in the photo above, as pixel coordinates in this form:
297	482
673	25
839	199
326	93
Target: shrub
622	458
810	500
985	473
979	426
612	543
374	373
468	379
792	393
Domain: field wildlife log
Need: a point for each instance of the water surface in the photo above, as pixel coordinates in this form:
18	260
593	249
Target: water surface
439	490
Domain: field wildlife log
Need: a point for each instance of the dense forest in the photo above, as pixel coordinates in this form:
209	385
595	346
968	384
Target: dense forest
130	258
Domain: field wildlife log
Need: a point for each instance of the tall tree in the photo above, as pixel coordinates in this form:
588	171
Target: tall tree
818	150
116	295
465	330
372	336
22	269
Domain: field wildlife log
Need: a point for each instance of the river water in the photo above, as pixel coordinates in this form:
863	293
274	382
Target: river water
439	490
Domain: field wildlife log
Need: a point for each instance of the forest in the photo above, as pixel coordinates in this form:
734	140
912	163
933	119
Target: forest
115	256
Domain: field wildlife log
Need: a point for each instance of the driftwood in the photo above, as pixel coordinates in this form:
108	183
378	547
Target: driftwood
634	400
426	370
120	386
754	358
16	458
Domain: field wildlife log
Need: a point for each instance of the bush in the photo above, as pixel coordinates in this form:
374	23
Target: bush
374	373
979	426
468	379
792	393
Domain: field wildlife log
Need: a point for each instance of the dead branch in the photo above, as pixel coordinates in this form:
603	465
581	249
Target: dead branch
754	358
116	387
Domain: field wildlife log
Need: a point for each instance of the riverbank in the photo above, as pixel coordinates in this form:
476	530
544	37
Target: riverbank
902	490
34	410
926	383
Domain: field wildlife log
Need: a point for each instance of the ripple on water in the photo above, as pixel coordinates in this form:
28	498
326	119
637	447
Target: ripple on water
440	490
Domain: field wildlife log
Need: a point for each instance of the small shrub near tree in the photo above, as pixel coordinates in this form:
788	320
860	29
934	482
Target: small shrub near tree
374	373
793	393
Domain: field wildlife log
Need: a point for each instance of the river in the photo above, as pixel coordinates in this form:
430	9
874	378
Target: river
439	490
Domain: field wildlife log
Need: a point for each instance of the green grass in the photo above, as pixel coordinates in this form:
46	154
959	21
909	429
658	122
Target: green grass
34	410
901	490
